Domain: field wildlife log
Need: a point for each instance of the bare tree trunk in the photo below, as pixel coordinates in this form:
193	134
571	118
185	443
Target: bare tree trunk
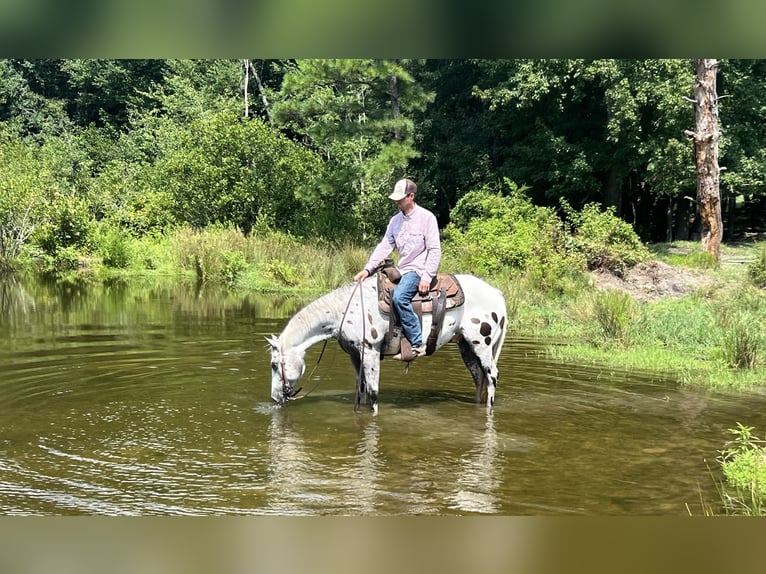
705	137
395	104
261	91
247	65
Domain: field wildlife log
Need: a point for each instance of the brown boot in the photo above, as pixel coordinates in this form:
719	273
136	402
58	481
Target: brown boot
416	352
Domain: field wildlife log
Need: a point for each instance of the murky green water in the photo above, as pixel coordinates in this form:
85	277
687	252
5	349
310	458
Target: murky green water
154	399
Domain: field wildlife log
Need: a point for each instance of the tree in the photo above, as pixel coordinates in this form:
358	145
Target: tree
584	130
743	144
357	115
705	137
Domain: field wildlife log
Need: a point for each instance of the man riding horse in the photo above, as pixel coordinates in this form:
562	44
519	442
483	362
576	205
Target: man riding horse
414	233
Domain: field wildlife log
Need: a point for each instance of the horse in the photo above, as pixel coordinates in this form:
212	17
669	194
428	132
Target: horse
351	314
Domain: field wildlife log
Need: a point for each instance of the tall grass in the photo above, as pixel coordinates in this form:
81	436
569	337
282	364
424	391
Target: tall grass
743	463
609	316
265	262
756	271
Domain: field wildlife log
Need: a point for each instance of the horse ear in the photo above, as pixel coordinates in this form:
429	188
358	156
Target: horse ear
273	341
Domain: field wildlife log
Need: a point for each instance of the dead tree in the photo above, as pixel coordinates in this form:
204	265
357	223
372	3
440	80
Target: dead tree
705	137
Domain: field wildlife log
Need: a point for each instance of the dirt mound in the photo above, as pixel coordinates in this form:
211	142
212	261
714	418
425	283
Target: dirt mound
653	280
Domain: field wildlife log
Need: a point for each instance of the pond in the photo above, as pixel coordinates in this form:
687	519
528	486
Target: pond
152	397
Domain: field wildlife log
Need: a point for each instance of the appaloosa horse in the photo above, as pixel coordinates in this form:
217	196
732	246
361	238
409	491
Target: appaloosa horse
352	315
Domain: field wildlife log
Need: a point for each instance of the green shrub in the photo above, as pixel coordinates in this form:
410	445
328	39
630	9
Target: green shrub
114	247
233	265
490	232
605	240
68	225
283	272
743	462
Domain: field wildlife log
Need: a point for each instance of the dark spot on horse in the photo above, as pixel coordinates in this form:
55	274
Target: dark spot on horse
494	381
475	342
369	317
494	316
349	321
487	340
502	322
485	329
475	320
374	333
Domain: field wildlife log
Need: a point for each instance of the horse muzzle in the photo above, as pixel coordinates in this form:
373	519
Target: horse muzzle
287	395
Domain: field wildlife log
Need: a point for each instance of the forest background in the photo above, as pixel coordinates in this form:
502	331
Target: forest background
274	174
311	147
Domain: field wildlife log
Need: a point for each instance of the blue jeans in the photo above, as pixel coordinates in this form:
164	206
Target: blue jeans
402	301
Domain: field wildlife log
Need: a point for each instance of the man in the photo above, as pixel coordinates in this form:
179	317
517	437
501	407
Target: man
414	233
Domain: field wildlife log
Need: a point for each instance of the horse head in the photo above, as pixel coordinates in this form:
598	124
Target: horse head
287	366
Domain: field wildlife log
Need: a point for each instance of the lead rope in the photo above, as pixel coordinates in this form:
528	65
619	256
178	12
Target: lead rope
295	396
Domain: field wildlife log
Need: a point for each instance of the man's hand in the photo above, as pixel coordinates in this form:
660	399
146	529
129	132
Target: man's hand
362	275
423	286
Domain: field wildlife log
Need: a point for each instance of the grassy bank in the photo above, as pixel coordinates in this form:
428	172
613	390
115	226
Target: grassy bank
711	334
707	330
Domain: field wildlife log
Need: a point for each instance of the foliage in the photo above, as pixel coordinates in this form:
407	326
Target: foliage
226	170
756	270
283	272
210	254
614	313
490	232
357	114
113	246
22	187
743	462
740	320
148	145
627	138
606	241
682	325
68	225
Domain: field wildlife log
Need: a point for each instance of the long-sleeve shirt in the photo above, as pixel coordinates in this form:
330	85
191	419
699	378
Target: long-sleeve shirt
416	238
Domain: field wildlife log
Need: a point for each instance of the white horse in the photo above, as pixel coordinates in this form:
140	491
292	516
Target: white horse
351	315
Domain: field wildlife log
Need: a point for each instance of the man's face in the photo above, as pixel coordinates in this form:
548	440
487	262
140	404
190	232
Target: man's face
406	202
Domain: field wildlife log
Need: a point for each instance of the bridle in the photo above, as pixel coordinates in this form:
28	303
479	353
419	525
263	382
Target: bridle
292	395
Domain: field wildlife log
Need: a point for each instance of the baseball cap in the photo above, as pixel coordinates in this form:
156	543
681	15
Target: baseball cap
402	188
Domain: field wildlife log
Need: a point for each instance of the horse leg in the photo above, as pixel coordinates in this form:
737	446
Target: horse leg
361	390
474	366
371	375
367	377
481	363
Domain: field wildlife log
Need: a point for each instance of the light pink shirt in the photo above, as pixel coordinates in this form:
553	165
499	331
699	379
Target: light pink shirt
416	238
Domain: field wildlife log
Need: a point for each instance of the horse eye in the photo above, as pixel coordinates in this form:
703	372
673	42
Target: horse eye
274	366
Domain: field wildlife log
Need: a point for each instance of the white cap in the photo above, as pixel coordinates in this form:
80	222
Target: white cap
402	188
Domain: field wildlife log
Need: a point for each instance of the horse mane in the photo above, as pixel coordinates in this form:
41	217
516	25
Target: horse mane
311	322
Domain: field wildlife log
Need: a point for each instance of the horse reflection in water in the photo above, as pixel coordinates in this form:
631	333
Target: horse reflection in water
479	477
367	478
302	482
351	315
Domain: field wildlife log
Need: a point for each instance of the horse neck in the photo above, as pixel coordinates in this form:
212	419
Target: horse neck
317	321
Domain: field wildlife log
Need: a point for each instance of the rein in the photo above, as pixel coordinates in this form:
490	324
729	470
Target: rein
293	395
